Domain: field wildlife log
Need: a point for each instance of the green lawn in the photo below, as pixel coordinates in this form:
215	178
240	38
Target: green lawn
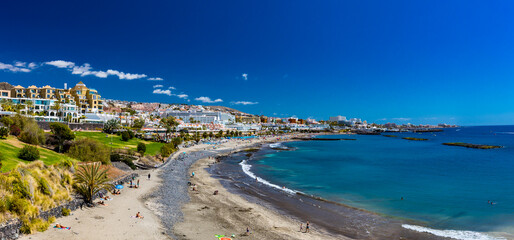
11	159
152	148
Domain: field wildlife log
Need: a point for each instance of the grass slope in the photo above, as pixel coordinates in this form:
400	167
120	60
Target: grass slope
152	148
11	146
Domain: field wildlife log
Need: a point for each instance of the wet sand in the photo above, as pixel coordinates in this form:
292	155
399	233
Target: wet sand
333	219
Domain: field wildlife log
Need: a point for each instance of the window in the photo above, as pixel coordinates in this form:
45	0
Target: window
4	94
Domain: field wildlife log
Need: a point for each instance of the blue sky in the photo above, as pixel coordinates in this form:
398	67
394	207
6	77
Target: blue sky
383	61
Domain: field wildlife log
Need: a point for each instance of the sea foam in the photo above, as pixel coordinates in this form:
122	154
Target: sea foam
455	234
246	169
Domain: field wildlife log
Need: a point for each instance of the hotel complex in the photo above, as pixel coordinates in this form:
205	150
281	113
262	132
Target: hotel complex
49	103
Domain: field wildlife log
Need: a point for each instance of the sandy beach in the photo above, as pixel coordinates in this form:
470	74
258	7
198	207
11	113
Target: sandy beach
227	214
117	219
172	210
114	221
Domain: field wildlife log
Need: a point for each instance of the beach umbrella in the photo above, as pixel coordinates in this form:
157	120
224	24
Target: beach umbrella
119	186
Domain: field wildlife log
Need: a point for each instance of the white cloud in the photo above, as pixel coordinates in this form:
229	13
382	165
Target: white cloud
157	86
13	68
401	119
207	100
61	64
128	76
245	76
172	88
32	65
160	91
184	96
20	64
84	69
244	103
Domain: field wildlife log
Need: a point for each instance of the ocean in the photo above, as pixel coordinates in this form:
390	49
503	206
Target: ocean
443	187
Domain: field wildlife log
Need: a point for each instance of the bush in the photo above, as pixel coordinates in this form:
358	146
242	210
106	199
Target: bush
125	136
167	149
141	148
4	132
19	206
44	187
116	157
32	134
36	224
29	153
66	211
111	125
15	130
131	134
89	150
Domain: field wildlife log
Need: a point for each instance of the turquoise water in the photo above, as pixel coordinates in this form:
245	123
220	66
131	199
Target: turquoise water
446	187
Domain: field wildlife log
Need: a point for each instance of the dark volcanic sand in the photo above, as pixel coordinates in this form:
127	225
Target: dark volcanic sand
336	219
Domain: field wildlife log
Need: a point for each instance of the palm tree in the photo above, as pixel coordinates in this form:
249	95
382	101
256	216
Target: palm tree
169	123
90	180
57	107
7	104
30	106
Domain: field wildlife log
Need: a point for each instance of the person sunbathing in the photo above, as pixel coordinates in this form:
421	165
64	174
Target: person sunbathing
102	203
138	215
60	226
107	198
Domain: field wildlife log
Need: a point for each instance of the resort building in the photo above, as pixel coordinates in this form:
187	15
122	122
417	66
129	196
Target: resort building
88	100
201	117
51	104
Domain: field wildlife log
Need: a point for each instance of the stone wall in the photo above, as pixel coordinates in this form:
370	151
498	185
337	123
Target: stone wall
11	229
74	126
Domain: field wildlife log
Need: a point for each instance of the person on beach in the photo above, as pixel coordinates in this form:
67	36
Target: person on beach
193	174
301	227
57	225
148	176
307	227
138	215
138	183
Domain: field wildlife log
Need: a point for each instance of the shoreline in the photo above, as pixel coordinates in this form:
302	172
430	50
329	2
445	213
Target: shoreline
391	227
338	220
172	211
227	213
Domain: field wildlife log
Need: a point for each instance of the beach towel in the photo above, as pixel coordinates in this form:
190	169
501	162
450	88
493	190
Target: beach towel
67	228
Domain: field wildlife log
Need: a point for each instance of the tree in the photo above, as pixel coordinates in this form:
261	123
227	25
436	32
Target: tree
111	125
167	149
7	105
205	135
125	136
15	130
141	148
90	180
29	153
169	123
57	107
7	121
4	132
32	134
176	141
138	123
62	133
87	150
30	106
